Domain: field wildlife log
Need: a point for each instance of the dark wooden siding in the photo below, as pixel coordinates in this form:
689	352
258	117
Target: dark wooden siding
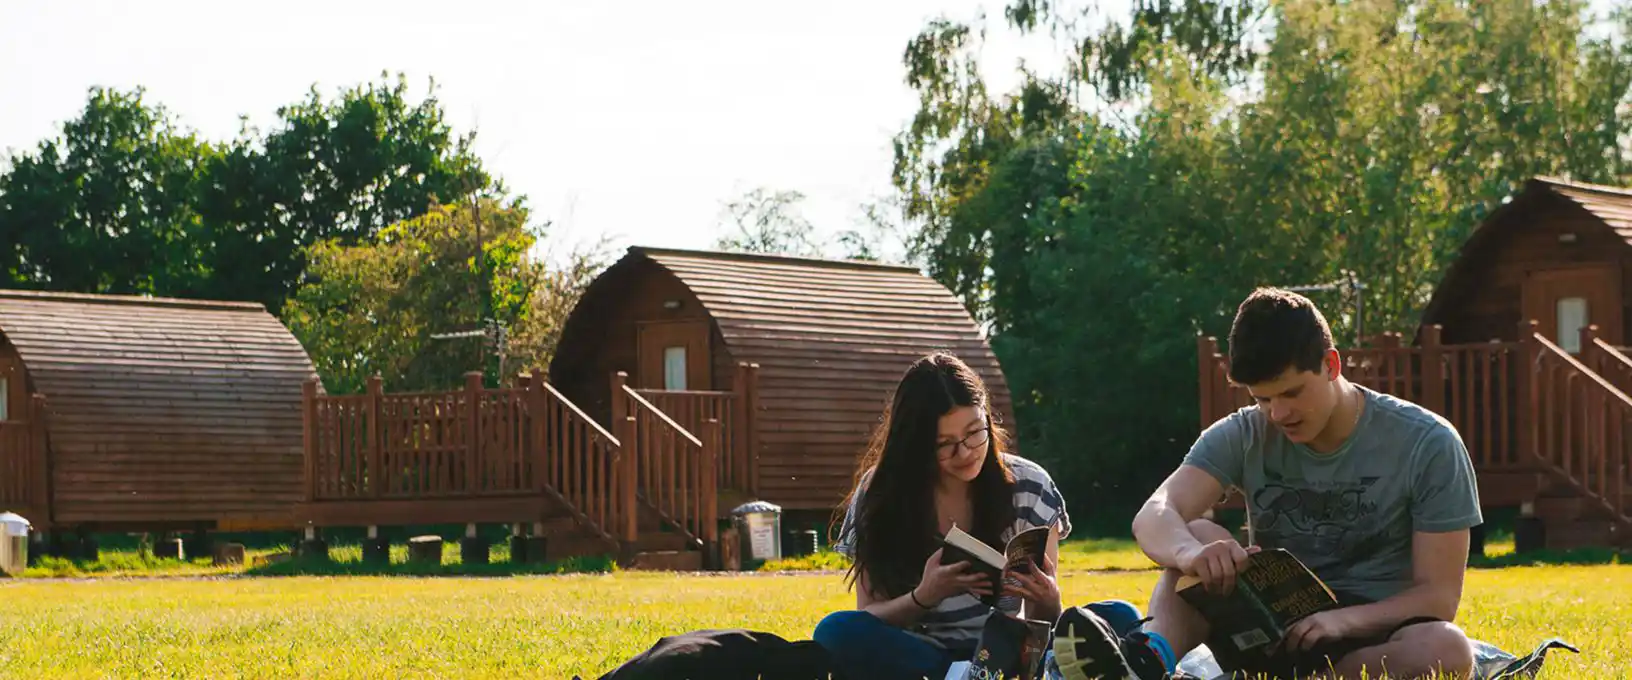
164	411
1482	297
832	340
600	338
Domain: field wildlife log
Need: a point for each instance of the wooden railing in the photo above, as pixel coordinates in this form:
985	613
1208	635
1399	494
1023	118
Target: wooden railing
692	410
1526	405
476	442
1474	385
23	474
584	463
1582	418
674	470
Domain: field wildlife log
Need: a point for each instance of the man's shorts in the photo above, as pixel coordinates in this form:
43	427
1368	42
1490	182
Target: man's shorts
1327	654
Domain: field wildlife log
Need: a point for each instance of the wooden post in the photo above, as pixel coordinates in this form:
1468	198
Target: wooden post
1589	354
308	404
1528	406
711	493
1433	370
620	407
625	465
753	429
473	432
544	456
376	436
41	460
739	425
1205	346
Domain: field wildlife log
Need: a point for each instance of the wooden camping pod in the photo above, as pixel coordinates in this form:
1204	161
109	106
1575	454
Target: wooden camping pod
830	338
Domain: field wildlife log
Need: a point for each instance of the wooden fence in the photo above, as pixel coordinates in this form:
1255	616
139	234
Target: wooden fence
1524	405
1473	385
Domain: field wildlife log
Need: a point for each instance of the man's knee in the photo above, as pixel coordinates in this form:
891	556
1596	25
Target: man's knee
1440	640
1207	531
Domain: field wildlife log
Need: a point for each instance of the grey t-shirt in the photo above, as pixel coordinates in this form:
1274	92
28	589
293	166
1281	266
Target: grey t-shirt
1349	515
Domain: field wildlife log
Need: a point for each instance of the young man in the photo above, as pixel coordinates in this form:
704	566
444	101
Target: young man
1375	494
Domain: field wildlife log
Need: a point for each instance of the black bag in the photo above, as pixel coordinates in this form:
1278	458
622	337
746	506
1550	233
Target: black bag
728	655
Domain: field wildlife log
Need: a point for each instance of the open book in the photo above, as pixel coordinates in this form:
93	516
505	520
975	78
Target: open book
1030	545
1272	592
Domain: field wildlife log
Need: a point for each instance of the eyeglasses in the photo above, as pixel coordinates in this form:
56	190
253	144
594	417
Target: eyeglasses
971	442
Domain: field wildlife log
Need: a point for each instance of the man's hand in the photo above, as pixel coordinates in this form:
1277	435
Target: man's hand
1216	564
1326	626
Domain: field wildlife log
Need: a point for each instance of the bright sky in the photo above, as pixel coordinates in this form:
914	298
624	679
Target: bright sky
636	120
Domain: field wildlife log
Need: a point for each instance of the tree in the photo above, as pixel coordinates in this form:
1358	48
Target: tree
768	222
1374	136
108	207
341	169
125	201
373	307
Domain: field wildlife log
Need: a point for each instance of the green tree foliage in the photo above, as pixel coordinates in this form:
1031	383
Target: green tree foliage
372	307
123	201
1098	240
109	207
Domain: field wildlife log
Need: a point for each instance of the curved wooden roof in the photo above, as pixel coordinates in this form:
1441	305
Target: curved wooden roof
867	321
832	339
163	409
1607	205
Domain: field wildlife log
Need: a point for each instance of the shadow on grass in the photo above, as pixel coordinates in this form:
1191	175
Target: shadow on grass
1551	558
317	567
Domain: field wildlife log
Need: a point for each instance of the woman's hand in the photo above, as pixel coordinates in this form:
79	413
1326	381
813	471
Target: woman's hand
1037	585
941	581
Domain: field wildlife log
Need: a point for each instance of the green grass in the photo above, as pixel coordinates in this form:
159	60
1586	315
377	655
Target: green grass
227	625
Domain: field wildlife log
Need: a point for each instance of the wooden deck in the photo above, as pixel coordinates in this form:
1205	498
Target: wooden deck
526	455
1547	431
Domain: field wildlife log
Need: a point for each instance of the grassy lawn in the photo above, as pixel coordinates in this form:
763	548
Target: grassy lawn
554	626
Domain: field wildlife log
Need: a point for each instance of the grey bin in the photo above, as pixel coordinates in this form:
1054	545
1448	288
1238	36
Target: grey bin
760	525
13	544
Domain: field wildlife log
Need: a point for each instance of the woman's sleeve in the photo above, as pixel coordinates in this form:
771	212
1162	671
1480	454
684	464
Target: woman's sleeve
1039	501
846	542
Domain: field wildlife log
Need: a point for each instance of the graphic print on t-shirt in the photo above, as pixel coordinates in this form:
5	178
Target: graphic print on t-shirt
1323	522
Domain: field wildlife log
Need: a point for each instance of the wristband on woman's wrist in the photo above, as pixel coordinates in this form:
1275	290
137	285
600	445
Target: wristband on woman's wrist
914	595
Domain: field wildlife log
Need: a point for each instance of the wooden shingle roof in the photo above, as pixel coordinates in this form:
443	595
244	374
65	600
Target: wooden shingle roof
1611	205
163	409
826	314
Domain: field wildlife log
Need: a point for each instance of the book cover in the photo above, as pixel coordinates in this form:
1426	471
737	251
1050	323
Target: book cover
1010	648
1274	591
1025	547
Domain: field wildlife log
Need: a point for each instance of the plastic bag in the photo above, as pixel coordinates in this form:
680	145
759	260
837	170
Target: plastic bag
1489	661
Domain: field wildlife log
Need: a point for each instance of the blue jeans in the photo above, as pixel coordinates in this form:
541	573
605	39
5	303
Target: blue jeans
865	647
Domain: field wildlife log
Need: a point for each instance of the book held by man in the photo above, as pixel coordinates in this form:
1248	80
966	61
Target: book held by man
1274	591
1025	548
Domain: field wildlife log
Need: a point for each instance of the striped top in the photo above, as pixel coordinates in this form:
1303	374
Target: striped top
955	624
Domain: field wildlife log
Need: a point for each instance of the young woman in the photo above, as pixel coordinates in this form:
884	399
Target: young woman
936	461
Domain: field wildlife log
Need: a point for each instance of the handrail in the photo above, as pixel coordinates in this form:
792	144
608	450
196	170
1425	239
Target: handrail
1613	352
1577	365
565	402
663	416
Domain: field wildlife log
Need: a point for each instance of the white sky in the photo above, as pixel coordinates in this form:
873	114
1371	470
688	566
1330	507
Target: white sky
636	120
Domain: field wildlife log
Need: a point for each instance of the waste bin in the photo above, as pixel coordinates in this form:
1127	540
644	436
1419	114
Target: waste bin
760	525
13	544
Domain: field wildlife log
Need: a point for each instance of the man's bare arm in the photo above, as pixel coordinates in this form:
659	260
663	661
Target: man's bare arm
1162	526
1438	564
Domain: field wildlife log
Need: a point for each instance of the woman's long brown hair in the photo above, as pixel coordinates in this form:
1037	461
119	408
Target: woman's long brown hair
896	527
